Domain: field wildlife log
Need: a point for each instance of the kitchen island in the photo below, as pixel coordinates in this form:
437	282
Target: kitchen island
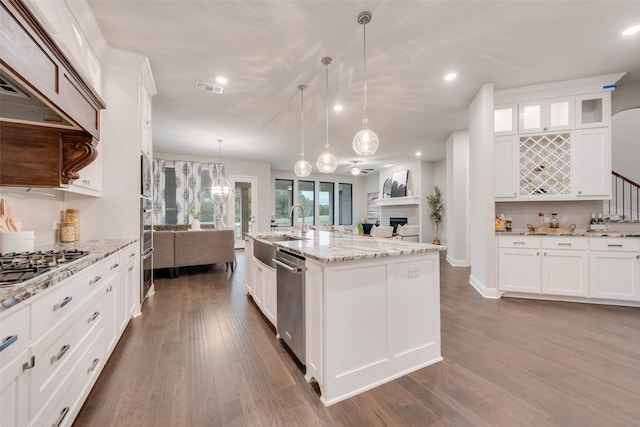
371	310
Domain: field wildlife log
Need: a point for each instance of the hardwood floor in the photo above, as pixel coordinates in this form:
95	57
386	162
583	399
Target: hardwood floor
202	355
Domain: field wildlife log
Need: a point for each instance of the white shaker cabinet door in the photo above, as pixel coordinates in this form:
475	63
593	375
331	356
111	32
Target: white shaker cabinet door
506	171
615	275
519	270
565	272
593	163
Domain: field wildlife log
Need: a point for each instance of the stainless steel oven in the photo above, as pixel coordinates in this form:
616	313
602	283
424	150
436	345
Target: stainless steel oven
146	245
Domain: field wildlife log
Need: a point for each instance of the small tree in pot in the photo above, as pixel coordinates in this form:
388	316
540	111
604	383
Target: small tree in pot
436	204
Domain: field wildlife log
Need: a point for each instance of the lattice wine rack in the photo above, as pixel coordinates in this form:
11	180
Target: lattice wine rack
545	164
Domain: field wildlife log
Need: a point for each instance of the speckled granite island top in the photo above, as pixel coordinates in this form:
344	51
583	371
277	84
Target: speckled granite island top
330	246
98	250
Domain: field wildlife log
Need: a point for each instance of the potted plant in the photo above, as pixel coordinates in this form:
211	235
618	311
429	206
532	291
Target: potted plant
195	224
436	204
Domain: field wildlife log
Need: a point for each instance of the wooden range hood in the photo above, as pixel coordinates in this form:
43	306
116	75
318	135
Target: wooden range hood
50	127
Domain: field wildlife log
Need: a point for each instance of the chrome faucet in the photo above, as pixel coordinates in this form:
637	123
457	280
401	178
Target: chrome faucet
291	214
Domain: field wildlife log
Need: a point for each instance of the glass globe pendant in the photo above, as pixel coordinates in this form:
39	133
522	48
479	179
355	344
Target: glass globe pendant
302	168
327	162
220	188
366	142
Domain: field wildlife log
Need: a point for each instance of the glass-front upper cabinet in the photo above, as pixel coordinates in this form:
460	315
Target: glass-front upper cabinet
548	115
593	110
505	119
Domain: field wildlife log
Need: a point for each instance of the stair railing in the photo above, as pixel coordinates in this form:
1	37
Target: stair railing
625	200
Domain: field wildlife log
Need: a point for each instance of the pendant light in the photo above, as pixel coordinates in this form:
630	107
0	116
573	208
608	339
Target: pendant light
302	167
220	189
365	143
327	162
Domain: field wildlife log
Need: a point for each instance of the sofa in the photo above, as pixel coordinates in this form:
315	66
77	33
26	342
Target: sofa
182	248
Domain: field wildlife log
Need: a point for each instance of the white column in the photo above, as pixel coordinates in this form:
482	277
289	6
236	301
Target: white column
457	197
481	194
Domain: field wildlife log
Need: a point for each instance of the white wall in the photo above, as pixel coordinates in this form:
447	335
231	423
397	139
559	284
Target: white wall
625	137
457	213
481	191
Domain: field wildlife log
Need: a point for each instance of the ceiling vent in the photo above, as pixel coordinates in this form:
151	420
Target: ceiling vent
209	87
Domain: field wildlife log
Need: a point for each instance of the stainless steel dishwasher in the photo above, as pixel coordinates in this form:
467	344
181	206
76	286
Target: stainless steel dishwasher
290	279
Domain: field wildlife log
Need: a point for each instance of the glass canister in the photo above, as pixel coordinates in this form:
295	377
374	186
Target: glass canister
67	231
73	215
555	223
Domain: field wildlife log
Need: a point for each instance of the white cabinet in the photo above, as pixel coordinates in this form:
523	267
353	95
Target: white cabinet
506	168
615	268
14	389
565	266
592	156
548	115
543	265
90	181
248	262
519	264
15	366
265	291
270	306
593	110
505	119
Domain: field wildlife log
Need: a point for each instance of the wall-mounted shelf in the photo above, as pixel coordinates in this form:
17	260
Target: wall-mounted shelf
393	201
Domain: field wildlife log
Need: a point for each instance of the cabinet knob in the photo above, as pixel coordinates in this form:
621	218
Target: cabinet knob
637	256
545	254
579	192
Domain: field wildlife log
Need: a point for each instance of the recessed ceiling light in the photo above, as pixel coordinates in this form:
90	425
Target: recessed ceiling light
450	76
338	107
631	30
418	153
221	80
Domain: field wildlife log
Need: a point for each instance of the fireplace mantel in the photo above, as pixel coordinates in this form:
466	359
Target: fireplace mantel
395	201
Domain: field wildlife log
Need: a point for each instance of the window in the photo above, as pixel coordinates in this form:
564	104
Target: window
345	204
204	195
307	198
284	201
325	203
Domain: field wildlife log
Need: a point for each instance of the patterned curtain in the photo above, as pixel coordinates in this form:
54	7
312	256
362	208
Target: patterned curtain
159	205
219	213
187	184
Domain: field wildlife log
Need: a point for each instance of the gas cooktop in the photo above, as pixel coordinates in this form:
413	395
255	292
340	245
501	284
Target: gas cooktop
16	268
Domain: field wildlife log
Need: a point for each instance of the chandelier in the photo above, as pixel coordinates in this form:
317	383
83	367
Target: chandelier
365	143
327	162
220	188
302	167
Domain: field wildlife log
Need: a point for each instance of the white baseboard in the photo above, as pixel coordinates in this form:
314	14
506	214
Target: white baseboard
491	293
458	262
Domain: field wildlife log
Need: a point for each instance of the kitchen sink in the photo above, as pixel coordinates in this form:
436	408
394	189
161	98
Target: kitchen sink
264	250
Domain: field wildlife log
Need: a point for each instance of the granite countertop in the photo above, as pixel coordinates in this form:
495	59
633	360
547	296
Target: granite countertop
574	234
335	246
98	250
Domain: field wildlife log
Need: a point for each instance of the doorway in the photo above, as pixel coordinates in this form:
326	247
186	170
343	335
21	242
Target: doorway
243	203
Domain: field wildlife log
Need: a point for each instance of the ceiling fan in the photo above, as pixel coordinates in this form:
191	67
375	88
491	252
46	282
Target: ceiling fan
356	170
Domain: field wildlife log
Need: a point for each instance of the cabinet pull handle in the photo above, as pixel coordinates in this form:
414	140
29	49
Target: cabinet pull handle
519	243
545	254
130	268
95	280
132	254
60	419
637	256
30	364
109	289
93	317
615	246
93	365
537	253
8	341
114	266
565	244
64	302
62	352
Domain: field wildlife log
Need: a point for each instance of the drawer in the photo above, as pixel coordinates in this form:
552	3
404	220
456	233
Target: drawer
64	405
15	332
63	298
113	264
531	242
626	244
563	242
58	351
128	254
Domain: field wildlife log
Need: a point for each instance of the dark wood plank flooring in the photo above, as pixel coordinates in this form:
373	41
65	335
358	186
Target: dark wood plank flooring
202	355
